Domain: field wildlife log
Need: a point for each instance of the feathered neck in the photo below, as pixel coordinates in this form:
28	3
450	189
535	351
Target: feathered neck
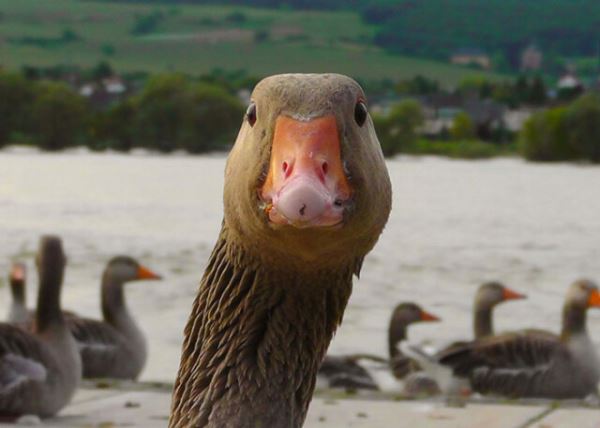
573	321
112	297
254	341
17	288
482	321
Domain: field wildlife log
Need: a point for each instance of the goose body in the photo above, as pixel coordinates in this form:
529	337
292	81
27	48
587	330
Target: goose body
40	371
306	196
535	363
114	347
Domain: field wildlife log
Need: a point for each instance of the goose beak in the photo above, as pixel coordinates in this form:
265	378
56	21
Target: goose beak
306	185
145	273
594	299
426	316
17	272
508	294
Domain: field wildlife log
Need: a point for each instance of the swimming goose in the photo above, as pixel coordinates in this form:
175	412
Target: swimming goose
536	363
403	315
114	347
40	371
306	197
18	308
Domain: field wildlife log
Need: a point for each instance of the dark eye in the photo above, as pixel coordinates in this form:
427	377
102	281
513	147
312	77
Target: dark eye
360	113
251	114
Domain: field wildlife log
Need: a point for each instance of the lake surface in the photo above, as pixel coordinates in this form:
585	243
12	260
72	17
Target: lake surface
454	225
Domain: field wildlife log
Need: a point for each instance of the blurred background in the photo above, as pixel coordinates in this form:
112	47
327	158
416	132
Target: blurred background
116	116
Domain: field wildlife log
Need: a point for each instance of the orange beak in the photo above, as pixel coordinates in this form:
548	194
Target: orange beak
145	273
306	185
426	316
508	294
594	299
17	272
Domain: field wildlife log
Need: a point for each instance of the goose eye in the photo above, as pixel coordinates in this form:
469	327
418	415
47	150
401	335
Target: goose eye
360	113
251	114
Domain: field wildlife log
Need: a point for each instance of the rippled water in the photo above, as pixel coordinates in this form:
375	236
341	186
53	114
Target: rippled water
454	225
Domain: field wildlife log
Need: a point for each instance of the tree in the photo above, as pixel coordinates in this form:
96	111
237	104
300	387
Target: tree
59	116
544	137
462	127
583	123
399	128
173	113
537	92
102	70
16	98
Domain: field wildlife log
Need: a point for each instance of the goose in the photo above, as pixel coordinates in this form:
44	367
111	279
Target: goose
40	371
345	371
487	297
18	313
535	363
404	314
306	196
114	347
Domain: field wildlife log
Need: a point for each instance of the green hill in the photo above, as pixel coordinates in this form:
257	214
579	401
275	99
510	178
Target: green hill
201	38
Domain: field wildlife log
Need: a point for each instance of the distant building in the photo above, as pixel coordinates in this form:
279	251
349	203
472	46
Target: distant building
471	56
105	93
531	58
569	86
569	81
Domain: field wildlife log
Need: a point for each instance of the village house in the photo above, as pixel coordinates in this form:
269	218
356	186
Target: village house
471	56
531	58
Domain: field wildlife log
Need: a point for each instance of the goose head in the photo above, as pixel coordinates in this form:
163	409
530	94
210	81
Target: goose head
17	278
491	294
583	294
124	269
306	180
405	314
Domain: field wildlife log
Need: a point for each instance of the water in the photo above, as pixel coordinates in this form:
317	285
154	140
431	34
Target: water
454	225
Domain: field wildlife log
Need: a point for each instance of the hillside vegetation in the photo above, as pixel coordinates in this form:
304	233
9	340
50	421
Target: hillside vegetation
197	39
565	30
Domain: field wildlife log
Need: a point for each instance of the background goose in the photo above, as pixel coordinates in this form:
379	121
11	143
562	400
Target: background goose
306	197
114	347
487	297
536	363
404	315
345	371
39	371
18	312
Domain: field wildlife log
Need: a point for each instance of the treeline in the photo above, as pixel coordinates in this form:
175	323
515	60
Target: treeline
569	132
170	112
399	131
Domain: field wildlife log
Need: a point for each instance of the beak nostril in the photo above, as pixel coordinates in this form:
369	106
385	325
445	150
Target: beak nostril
325	167
285	167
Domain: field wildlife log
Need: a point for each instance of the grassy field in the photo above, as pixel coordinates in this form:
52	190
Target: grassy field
199	39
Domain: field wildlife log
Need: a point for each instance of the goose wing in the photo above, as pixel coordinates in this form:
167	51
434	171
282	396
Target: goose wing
24	361
93	335
512	364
